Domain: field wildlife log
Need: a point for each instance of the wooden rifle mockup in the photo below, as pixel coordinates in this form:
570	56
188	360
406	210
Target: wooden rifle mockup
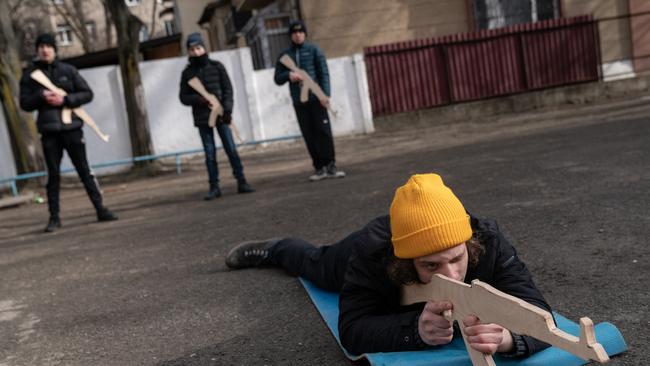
493	306
216	109
66	113
307	82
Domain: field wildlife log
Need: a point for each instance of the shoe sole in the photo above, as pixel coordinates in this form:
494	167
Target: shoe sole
48	230
336	176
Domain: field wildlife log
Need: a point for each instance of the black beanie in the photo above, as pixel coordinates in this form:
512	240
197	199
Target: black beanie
47	39
297	26
194	39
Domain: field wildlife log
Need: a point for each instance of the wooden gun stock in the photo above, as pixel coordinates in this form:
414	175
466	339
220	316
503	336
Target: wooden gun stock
66	113
493	306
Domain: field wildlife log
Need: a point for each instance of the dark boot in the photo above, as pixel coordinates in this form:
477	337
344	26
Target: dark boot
243	186
214	192
53	224
105	214
250	254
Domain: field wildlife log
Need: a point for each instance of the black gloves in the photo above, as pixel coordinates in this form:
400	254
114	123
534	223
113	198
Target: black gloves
226	118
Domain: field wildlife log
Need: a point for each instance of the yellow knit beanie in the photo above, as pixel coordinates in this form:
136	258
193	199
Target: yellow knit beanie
426	217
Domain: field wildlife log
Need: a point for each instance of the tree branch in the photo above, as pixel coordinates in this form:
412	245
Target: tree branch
153	18
74	21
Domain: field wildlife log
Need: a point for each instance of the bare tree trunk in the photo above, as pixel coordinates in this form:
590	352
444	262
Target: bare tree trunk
153	19
128	28
109	23
22	130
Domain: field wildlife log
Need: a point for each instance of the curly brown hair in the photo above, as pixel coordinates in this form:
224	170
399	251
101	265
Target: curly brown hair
402	271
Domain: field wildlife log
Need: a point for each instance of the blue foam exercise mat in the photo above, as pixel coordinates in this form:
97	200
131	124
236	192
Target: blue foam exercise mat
455	354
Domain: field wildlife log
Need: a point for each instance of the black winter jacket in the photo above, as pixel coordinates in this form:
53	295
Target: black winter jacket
371	318
310	58
214	77
66	77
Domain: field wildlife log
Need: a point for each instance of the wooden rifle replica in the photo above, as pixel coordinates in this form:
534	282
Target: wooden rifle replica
307	82
66	113
216	109
493	306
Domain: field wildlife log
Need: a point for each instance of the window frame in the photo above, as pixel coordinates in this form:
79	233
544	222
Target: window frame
61	30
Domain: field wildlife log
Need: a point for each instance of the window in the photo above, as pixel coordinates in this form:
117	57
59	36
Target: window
91	28
170	27
267	38
144	34
491	14
133	2
63	35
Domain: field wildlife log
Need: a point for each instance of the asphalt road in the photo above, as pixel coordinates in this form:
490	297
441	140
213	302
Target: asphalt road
571	190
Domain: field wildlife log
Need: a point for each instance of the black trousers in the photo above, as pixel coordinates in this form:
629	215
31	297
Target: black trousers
316	130
324	266
73	143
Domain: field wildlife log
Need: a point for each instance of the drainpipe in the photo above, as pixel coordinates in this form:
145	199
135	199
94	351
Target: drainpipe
295	9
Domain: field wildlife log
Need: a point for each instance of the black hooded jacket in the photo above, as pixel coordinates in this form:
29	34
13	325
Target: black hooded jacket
371	318
214	77
66	77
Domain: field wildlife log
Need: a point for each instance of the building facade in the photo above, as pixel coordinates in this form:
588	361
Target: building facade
343	27
84	26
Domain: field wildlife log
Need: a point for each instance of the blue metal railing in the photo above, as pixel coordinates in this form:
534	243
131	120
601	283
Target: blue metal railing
176	154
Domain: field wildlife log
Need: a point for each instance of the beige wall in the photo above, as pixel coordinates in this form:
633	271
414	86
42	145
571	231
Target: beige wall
343	27
189	12
93	11
640	26
614	34
216	29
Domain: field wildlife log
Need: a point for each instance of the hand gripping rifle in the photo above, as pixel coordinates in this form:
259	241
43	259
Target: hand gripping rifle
493	306
307	82
216	109
66	113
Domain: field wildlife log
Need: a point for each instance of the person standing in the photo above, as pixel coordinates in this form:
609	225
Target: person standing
55	135
214	77
312	115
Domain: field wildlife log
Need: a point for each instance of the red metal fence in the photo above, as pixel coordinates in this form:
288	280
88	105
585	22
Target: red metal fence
469	66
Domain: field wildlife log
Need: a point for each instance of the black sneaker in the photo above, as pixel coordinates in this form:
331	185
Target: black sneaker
244	187
214	192
319	174
249	254
106	215
333	172
53	224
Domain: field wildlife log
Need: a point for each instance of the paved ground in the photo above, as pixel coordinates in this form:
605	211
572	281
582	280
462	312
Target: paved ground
571	188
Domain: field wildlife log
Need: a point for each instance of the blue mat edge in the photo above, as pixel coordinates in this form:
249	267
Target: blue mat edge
613	342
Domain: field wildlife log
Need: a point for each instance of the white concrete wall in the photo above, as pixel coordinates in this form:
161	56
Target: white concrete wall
262	110
109	111
349	100
7	165
617	70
